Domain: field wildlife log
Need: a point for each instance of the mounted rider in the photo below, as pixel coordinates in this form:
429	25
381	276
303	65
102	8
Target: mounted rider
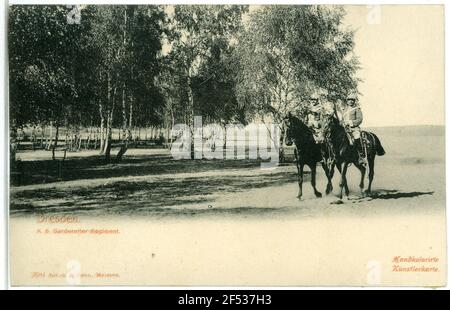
318	111
314	118
351	117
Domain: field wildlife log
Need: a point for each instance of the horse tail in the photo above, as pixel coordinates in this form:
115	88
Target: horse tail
378	147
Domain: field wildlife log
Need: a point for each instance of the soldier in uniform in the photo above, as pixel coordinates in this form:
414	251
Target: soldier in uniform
351	118
314	118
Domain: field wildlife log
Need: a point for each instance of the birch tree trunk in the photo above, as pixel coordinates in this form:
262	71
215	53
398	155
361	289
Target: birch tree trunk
13	147
55	144
50	136
102	129
126	134
190	114
111	98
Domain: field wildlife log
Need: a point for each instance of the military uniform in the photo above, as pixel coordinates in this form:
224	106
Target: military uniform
351	118
315	123
314	119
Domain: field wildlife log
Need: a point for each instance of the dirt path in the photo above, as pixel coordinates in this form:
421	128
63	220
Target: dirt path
246	192
410	179
218	223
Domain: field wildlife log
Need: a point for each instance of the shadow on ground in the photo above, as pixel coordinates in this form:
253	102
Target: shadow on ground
165	192
395	194
94	167
130	196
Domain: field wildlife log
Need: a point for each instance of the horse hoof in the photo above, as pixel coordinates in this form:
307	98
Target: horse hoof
299	198
318	194
329	191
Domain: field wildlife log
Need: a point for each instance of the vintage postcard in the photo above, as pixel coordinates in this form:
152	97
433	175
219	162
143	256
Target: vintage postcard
226	145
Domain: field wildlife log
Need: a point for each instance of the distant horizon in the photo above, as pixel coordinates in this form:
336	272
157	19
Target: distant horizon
399	126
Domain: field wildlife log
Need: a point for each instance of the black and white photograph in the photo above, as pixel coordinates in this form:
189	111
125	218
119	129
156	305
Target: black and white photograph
226	145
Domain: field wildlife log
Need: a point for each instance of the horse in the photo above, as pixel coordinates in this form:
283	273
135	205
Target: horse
347	154
307	152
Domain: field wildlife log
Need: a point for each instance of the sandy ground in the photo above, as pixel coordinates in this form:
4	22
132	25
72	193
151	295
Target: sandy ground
239	225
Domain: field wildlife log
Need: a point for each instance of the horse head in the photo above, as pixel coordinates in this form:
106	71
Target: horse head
296	130
335	128
338	136
289	121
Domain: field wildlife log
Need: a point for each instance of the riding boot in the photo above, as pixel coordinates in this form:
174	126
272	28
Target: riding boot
360	148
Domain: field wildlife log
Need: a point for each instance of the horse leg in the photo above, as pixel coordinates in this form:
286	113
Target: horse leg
371	174
329	174
362	169
339	167
325	169
343	183
300	180
300	174
313	168
347	191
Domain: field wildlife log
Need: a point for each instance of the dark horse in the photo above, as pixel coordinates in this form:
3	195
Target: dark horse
307	152
347	154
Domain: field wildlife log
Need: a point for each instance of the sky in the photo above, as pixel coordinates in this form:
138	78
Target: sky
401	50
